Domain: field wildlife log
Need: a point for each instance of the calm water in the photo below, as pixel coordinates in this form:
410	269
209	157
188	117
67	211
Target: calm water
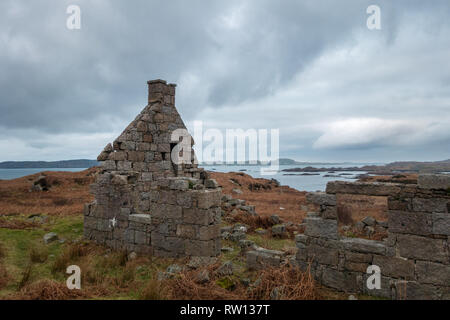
297	181
8	174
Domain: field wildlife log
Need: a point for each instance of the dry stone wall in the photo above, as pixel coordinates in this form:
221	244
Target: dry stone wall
414	258
146	203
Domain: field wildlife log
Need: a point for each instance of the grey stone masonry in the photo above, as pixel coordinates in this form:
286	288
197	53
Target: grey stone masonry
147	202
434	181
414	259
261	258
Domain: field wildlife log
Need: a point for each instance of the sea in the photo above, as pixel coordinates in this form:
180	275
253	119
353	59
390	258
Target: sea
297	180
314	181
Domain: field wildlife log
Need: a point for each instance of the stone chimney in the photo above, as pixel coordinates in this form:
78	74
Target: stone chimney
160	90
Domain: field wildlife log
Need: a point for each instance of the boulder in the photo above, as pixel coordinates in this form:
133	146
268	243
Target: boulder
236	191
261	258
245	282
50	237
249	209
37	218
360	226
277	293
202	277
261	231
245	244
41	184
35	188
240	227
211	184
174	269
197	262
236	236
226	235
369	231
278	230
380	229
369	221
226	198
275	219
163	276
132	256
234	202
225	269
346	228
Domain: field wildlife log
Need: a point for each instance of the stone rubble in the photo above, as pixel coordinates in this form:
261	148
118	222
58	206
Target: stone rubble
414	258
226	269
50	237
197	262
261	258
202	277
279	230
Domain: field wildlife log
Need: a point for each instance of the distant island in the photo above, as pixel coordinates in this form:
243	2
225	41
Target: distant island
79	163
281	161
390	168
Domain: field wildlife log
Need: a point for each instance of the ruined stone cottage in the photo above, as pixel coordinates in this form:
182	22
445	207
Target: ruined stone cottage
414	260
145	200
149	203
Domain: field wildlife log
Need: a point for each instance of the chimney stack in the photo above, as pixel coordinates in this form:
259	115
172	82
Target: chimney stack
160	90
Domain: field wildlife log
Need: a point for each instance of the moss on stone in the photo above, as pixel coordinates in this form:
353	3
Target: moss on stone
226	283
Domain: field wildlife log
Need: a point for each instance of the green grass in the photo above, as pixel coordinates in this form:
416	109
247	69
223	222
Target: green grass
271	243
350	234
227	283
19	243
238	259
25	246
233	255
126	280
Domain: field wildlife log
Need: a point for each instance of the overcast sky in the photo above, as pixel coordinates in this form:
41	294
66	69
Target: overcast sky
336	90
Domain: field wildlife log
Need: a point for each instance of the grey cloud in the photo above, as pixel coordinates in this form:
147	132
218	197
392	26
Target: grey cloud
228	56
51	73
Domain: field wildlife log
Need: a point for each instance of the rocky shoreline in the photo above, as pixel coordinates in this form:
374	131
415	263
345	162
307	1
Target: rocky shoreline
388	169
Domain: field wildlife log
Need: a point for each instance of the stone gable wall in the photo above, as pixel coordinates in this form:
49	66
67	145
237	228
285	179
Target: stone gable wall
146	203
414	259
